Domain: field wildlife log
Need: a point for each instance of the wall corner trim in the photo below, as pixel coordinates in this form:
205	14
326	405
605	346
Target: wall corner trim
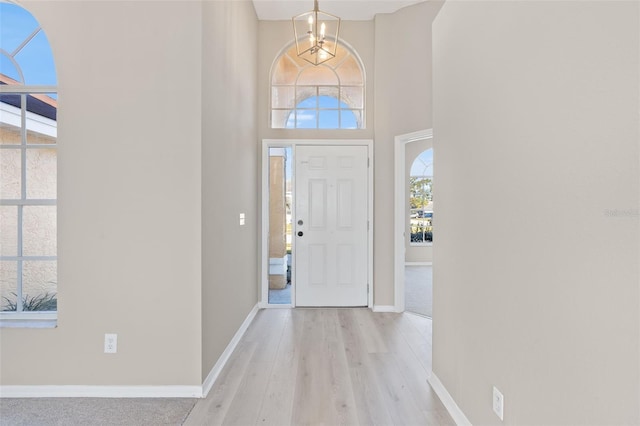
446	398
82	391
224	358
384	308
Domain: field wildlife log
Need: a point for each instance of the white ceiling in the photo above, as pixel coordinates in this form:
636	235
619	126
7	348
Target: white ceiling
350	10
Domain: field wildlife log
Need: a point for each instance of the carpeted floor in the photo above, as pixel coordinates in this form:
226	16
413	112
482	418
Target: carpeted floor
418	288
94	411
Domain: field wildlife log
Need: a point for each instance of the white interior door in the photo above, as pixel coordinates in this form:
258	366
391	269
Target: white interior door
331	230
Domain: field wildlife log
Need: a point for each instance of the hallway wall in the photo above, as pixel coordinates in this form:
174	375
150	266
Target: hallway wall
230	165
129	187
537	103
403	105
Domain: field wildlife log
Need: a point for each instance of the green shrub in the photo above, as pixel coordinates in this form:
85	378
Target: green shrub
42	302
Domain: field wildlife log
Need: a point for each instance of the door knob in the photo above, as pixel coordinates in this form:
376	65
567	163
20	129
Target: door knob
300	234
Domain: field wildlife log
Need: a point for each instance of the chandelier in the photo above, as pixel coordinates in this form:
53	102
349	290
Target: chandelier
316	35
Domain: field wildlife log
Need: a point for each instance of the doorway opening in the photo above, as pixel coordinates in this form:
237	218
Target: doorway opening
418	274
414	216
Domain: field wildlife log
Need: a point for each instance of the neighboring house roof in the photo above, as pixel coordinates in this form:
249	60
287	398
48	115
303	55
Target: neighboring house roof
39	104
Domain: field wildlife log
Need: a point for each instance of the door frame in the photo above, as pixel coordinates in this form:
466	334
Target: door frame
264	245
400	212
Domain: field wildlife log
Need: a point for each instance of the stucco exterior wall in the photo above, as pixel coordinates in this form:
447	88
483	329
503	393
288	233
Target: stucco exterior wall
39	226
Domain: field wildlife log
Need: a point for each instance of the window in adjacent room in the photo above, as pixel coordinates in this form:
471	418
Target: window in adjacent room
421	198
28	170
327	96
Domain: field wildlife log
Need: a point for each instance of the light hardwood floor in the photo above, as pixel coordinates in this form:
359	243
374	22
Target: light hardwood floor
327	367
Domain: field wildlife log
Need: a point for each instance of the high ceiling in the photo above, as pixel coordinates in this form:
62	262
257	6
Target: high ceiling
356	10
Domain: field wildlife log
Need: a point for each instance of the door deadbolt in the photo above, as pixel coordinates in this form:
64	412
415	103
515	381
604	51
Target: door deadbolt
300	234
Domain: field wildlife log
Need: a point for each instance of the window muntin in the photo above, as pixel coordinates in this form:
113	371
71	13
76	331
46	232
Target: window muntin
327	96
28	169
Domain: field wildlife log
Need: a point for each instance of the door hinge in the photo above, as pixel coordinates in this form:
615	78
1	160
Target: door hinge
368	162
367	289
368	225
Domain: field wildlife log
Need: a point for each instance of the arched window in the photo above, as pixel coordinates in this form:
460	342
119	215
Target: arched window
421	198
28	168
327	96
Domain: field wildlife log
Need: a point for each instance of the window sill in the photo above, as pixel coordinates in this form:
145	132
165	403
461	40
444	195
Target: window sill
420	244
28	320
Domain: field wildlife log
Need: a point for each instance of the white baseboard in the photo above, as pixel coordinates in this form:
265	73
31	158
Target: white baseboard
448	402
73	391
418	263
224	358
384	308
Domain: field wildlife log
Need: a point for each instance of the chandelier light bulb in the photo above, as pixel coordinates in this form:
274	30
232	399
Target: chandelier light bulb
321	29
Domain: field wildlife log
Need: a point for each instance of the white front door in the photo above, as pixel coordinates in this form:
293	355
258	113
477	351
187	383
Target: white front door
331	230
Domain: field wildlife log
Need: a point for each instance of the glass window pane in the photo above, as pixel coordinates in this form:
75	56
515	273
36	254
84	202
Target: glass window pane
39	231
283	97
42	112
41	173
328	97
350	119
8	230
39	285
320	75
8	285
37	49
9	135
311	102
11	121
352	96
305	92
10	173
328	119
279	118
349	72
291	120
19	21
285	71
306	119
8	68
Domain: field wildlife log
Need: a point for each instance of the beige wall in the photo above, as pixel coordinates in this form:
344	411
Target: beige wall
403	105
154	168
414	253
229	173
540	99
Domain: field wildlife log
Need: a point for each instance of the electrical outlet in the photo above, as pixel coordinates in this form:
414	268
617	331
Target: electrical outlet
110	343
241	219
498	403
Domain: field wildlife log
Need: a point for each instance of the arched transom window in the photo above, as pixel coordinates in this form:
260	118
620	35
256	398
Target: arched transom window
327	96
